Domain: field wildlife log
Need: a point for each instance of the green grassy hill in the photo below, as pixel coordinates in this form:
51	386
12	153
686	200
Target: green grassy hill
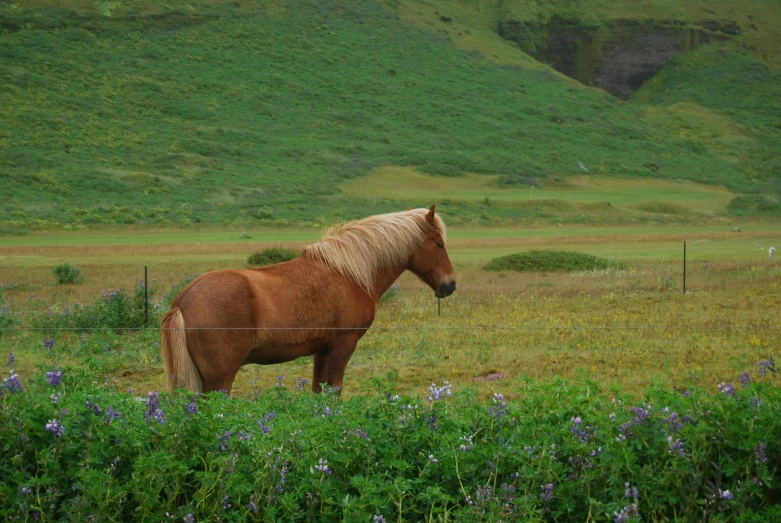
249	112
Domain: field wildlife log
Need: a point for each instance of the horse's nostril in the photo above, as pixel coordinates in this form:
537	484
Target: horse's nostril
453	287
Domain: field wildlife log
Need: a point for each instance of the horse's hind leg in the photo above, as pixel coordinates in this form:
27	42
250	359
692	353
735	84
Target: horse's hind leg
220	357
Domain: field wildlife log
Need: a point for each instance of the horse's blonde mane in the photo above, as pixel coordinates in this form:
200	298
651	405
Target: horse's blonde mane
361	249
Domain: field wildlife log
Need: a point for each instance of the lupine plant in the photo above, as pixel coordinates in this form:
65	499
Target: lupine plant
113	309
555	451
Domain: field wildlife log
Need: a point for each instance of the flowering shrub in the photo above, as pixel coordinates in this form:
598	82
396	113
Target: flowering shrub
560	453
116	310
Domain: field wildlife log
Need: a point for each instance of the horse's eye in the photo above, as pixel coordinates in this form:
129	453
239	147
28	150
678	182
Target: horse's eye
440	245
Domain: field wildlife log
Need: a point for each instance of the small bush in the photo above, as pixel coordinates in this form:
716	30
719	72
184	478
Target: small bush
753	205
550	261
66	273
271	256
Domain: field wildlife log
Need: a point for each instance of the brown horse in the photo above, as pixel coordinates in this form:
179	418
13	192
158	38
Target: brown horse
320	303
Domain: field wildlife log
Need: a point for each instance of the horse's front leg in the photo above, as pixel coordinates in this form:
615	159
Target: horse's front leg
319	373
330	364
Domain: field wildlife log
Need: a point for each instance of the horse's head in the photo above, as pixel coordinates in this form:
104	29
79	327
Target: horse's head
430	261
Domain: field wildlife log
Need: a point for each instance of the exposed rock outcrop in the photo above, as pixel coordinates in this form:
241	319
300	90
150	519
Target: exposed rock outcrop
618	56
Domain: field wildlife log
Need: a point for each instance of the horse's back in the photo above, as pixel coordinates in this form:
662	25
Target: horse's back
298	293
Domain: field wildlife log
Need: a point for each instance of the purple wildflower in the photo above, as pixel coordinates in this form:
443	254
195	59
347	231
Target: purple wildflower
725	494
283	475
265	429
253	507
676	447
225	440
436	393
48	344
673	425
468	445
244	436
759	453
326	411
627	513
192	407
189	519
301	383
322	466
754	403
55	398
624	431
11	360
579	433
153	410
55	428
361	434
111	415
13	384
93	407
54	377
280	382
378	519
547	492
727	388
745	379
499	407
631	492
765	366
641	413
26	490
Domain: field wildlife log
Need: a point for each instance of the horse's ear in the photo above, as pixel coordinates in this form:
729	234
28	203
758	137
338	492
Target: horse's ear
430	215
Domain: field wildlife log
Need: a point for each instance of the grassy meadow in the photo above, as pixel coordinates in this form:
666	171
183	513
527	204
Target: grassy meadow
630	328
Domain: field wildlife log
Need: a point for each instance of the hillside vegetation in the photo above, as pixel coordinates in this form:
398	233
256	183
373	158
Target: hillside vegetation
251	112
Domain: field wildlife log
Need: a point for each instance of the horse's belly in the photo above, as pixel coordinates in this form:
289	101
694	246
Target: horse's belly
270	355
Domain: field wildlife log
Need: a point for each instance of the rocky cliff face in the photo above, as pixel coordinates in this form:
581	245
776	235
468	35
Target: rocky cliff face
617	57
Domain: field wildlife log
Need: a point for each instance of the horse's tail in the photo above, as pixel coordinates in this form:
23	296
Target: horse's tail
178	365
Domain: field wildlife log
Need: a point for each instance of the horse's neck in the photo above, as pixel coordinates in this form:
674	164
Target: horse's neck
385	279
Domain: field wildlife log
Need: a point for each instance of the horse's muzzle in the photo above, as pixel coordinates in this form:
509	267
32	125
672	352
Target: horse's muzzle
445	289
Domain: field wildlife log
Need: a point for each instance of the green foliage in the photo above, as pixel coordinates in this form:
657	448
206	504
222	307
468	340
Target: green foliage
754	204
66	273
272	255
117	310
564	453
542	261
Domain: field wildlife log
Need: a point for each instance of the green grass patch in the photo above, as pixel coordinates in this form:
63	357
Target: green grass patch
272	255
551	261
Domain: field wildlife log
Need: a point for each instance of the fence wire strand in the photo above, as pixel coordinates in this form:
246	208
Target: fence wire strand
410	328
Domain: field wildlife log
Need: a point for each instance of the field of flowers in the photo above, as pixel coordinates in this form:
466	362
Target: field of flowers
76	448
